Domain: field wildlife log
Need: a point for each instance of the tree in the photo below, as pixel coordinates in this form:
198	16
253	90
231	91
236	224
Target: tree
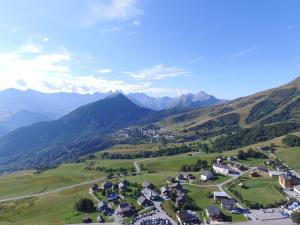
84	205
296	217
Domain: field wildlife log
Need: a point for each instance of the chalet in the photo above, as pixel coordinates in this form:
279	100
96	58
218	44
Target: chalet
94	188
86	219
164	192
218	196
269	162
190	176
297	189
228	204
263	148
112	196
126	210
102	206
176	186
231	158
170	180
180	199
179	177
262	169
142	201
288	181
206	175
275	173
150	194
122	186
147	184
213	213
107	185
186	217
221	169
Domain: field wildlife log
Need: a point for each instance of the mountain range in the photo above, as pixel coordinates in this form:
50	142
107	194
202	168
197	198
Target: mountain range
22	108
92	127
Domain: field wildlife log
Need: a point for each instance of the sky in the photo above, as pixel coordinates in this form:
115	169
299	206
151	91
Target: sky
229	48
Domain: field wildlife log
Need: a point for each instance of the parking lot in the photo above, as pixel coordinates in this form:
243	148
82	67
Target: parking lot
156	217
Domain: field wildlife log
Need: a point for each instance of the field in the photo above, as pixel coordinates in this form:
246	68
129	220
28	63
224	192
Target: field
262	190
291	156
47	210
27	182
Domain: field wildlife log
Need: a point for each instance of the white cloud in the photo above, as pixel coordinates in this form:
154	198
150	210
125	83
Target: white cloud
31	48
243	52
52	72
112	10
157	72
46	39
136	23
103	70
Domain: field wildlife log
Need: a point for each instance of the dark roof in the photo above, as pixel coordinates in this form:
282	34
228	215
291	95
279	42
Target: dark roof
213	211
228	202
187	217
112	196
146	184
141	200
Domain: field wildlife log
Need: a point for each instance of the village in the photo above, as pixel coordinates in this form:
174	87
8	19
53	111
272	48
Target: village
124	202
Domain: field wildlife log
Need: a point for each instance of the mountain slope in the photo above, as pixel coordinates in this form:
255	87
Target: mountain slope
64	136
276	105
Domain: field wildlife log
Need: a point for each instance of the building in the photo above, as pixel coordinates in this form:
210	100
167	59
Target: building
275	173
170	180
126	210
122	186
180	177
218	196
206	175
147	184
142	201
297	189
150	194
112	197
164	192
86	219
221	169
213	213
287	181
228	204
186	217
107	185
176	187
262	169
94	187
180	199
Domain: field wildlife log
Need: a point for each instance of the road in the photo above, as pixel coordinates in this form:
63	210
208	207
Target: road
136	164
52	191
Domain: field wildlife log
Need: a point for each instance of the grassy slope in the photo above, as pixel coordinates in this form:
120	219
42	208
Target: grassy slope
263	190
26	182
291	156
47	210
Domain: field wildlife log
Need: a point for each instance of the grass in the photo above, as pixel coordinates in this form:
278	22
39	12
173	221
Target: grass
158	179
291	156
26	182
263	190
52	209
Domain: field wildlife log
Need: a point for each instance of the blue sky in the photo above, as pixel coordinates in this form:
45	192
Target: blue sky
226	48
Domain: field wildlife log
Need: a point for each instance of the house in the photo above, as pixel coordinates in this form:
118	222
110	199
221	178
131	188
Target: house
122	186
206	175
170	180
176	187
164	192
150	194
86	219
228	204
147	184
180	177
112	196
218	196
288	181
94	188
297	189
190	176
142	201
262	169
186	217
221	169
275	173
126	210
107	185
269	162
180	199
213	213
231	158
263	148
102	206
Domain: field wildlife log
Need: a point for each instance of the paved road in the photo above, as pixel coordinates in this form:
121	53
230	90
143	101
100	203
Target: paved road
51	192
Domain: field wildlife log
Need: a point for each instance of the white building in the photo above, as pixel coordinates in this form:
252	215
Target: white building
206	175
221	169
297	189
